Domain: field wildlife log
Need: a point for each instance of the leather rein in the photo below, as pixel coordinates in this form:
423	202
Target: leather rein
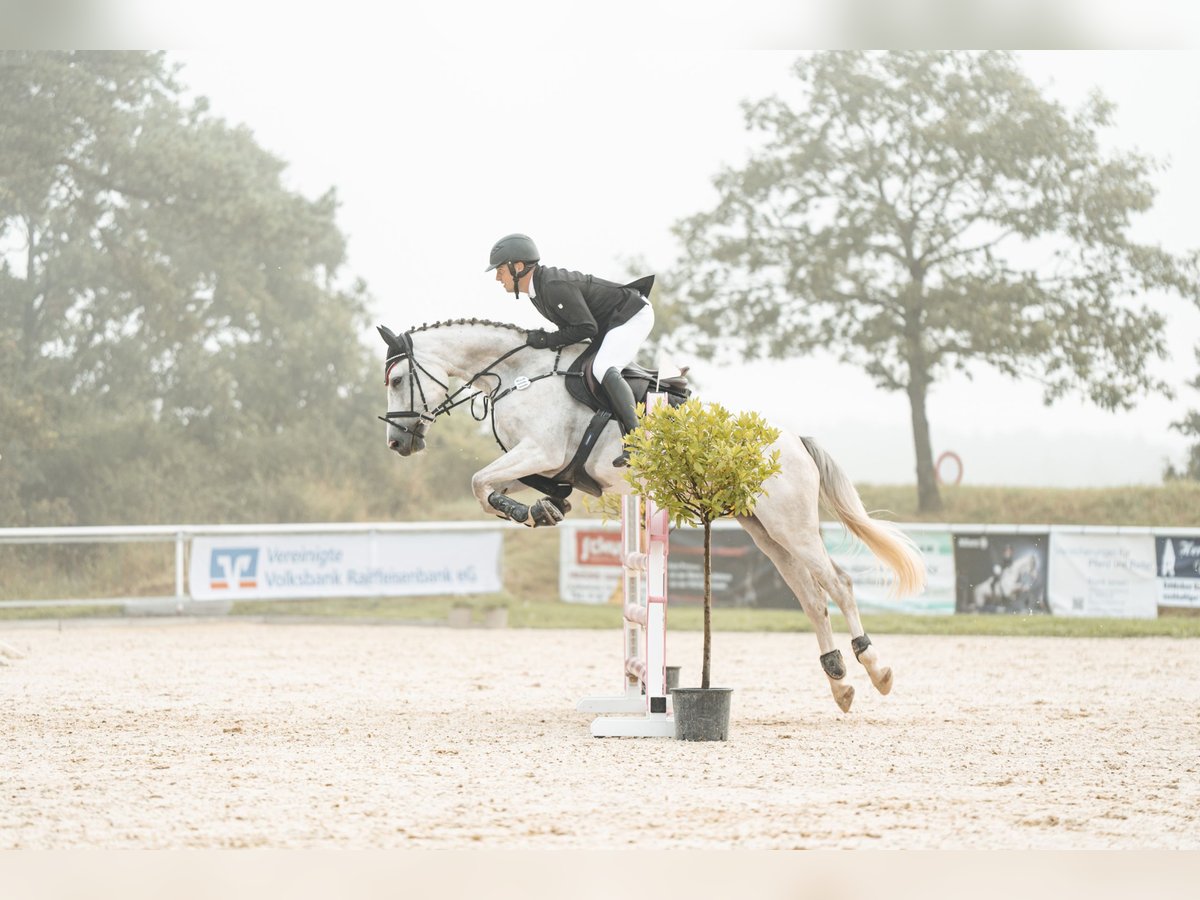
425	415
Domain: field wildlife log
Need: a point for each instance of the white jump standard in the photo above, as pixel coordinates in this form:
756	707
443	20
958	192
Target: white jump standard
644	582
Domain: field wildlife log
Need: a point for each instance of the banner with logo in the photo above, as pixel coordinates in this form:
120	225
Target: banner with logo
1000	572
873	580
589	561
1109	575
383	564
590	567
742	576
1177	564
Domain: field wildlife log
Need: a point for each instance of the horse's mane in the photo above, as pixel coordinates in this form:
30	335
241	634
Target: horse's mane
449	322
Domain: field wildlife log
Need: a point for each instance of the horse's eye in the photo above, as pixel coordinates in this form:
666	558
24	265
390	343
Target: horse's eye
396	381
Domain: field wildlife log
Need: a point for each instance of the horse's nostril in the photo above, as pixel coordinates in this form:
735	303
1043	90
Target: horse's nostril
393	444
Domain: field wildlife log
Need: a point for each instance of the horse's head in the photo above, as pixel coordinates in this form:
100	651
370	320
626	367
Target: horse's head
416	388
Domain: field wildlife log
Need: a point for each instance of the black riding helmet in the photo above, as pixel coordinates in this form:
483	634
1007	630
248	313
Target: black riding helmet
510	249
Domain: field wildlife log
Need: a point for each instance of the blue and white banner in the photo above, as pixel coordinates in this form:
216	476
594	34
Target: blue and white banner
381	564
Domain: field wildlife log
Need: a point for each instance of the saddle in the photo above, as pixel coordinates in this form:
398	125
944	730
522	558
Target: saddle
582	386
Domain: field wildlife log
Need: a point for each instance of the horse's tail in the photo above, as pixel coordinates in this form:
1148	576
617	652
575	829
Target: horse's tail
891	545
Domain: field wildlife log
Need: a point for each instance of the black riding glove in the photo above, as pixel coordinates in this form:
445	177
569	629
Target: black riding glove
539	339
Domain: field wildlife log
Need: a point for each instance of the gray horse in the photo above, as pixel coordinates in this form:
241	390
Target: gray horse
539	428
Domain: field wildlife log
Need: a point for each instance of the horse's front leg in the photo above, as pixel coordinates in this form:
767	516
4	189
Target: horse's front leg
491	483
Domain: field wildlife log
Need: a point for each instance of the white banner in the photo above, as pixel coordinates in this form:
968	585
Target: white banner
1109	575
381	564
589	561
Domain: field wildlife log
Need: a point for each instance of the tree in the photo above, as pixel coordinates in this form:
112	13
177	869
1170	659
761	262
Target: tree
700	464
1189	426
172	322
919	212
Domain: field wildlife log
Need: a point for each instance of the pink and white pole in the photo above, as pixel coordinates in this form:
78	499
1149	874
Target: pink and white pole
644	550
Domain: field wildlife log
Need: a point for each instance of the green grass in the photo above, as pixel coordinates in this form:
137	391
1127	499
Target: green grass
1173	505
60	612
526	613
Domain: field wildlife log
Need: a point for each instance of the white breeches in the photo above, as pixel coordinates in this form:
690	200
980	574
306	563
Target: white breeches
620	345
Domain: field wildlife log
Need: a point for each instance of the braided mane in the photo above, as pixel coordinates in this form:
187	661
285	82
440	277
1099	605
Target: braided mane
488	322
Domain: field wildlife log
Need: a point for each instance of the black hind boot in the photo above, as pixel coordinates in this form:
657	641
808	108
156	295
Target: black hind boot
620	397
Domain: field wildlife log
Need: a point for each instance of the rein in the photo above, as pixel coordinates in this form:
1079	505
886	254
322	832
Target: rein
427	415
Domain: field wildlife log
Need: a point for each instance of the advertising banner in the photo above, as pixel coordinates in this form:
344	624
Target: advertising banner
872	580
1108	575
383	564
1000	572
590	567
1177	563
742	576
589	561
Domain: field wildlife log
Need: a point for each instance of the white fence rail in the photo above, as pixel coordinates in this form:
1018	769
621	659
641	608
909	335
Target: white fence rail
369	579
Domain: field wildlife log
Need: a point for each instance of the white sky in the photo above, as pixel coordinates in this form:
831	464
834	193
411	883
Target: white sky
597	150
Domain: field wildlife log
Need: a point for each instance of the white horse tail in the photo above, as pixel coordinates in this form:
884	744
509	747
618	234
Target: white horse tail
891	545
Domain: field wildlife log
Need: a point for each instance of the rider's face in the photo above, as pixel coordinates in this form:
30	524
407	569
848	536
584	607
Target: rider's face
505	277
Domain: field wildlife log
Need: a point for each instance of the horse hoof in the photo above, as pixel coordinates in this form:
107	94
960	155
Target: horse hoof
884	683
845	698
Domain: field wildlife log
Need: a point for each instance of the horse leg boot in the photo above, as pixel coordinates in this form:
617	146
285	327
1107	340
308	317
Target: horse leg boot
620	397
842	591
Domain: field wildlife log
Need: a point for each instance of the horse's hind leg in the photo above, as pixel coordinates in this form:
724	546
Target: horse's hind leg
841	589
812	600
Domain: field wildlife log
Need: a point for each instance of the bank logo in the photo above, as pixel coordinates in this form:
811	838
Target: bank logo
232	567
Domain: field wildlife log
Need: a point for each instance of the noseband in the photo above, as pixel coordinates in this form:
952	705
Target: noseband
404	353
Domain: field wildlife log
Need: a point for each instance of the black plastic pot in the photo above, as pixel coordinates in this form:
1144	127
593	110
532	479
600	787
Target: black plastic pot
702	714
672	677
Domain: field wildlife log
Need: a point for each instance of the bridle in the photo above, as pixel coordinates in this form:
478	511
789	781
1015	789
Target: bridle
403	348
425	414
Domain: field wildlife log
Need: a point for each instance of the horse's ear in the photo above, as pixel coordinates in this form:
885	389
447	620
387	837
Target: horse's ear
390	338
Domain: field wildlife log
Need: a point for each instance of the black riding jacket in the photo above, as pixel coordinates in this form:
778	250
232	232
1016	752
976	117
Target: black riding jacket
583	306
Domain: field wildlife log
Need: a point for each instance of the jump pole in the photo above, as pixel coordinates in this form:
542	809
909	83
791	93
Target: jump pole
644	550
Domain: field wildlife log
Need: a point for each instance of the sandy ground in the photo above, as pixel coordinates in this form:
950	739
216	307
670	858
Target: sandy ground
244	734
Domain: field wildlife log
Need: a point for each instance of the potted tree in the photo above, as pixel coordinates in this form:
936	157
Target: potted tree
701	463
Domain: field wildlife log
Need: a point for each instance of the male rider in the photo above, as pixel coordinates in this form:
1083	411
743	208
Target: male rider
617	317
999	570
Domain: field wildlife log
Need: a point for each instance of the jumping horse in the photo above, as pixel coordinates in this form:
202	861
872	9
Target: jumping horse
540	429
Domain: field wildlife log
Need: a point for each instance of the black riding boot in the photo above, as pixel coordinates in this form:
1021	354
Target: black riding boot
620	396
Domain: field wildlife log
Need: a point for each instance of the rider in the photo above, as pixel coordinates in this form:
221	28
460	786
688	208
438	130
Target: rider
999	570
618	317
